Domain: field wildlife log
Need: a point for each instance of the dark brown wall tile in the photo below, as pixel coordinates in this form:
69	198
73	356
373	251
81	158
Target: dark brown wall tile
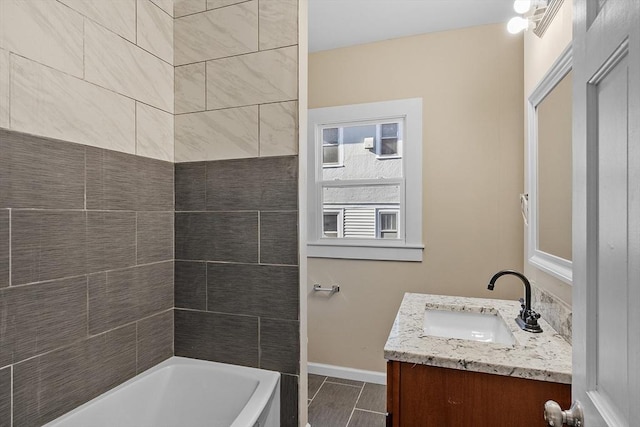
154	184
289	400
217	236
280	345
5	397
111	240
122	296
47	245
258	290
46	387
191	285
4	248
41	317
265	183
154	236
155	340
190	186
118	181
40	172
111	180
279	238
217	337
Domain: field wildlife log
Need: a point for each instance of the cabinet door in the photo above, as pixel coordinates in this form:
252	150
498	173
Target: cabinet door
437	397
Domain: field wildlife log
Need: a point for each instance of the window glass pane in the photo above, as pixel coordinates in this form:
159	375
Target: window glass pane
389	147
360	156
330	224
388	221
330	136
388	235
360	205
331	154
389	130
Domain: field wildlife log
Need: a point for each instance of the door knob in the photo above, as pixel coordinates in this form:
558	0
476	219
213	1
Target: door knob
556	417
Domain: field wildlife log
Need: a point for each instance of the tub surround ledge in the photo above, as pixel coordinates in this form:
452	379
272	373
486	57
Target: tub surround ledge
545	356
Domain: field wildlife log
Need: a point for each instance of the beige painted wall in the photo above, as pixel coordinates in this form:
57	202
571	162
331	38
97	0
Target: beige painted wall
471	82
95	73
539	55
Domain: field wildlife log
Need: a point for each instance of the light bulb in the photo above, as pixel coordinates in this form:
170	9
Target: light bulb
517	24
522	6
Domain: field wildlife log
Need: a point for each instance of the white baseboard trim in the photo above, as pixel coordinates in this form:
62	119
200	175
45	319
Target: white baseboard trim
347	373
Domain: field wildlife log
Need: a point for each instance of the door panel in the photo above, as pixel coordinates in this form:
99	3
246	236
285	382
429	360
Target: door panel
612	284
606	213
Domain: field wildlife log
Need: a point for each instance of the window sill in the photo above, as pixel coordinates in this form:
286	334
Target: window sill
364	251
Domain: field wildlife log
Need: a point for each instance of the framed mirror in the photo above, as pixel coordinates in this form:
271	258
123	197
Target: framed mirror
550	171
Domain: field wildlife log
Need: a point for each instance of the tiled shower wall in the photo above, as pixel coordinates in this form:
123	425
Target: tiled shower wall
237	293
94	72
86	273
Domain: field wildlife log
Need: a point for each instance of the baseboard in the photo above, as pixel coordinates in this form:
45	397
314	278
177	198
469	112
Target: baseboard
347	373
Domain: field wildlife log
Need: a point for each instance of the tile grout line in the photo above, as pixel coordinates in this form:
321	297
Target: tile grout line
206	110
251	52
354	405
79	340
10	250
318	391
92	84
370	411
208	10
12	397
91	273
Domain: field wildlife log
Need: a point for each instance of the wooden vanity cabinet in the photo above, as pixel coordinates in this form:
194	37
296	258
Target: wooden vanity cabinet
421	395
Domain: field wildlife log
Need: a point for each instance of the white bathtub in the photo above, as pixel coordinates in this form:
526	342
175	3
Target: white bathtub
181	392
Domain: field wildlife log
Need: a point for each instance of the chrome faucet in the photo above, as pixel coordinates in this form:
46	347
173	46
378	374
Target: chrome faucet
528	319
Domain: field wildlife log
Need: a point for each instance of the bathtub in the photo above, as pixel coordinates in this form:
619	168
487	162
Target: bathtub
181	392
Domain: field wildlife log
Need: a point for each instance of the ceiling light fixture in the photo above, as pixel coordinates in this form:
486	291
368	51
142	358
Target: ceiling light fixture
518	23
532	12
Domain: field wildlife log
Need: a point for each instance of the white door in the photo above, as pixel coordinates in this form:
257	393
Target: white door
606	215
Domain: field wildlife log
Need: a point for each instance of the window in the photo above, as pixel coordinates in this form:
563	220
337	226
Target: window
332	223
365	181
387	224
390	140
331	147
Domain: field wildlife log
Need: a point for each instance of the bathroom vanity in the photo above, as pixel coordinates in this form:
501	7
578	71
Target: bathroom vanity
456	361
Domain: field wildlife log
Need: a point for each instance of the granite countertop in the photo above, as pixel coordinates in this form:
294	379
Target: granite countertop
544	356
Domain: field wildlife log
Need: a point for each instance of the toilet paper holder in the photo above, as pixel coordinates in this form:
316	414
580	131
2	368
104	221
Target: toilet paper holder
332	290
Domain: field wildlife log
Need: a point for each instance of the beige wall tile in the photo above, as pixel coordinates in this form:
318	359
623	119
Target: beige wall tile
154	132
215	4
217	33
279	129
4	88
190	88
166	5
187	7
278	23
155	30
51	103
117	15
45	31
217	135
256	78
116	64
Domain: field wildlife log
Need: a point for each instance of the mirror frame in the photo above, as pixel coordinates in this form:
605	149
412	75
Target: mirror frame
549	263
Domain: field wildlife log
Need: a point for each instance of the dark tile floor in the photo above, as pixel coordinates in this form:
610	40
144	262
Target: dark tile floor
336	402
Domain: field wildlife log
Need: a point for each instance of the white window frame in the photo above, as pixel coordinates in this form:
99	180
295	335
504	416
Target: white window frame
379	213
379	138
340	219
340	145
408	247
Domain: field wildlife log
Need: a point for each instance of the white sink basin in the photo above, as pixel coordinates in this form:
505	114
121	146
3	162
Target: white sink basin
484	327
